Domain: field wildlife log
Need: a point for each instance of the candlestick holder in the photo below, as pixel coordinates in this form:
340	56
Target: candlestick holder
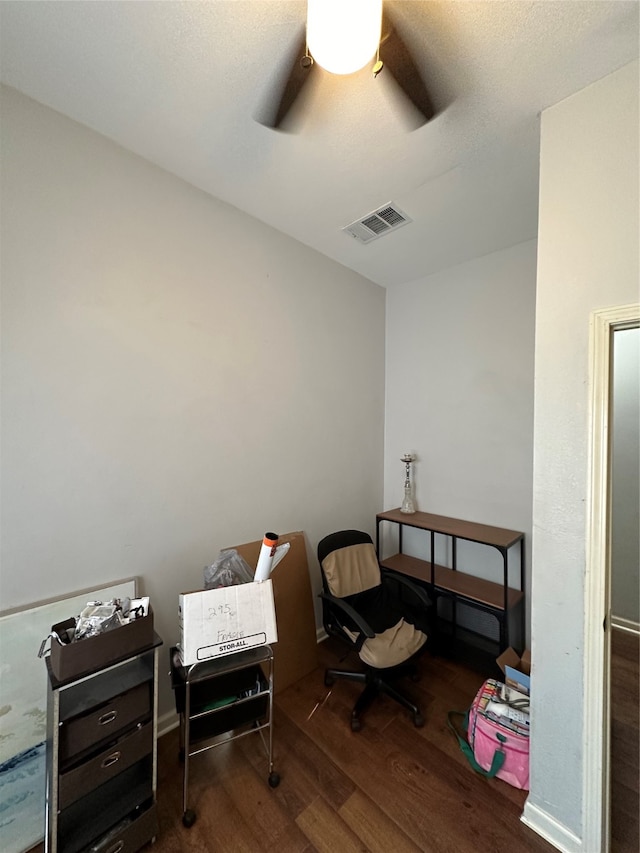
408	506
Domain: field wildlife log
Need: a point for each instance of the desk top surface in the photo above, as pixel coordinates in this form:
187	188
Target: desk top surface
499	537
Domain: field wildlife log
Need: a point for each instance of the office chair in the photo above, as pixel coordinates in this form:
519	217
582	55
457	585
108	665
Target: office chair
364	607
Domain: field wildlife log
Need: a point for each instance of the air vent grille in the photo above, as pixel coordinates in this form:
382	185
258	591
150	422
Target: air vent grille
391	216
377	223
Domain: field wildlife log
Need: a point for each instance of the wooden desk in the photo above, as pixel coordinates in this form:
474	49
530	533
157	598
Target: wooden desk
495	597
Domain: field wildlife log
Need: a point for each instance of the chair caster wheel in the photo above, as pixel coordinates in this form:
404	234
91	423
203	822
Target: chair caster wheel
188	818
274	779
418	721
329	680
356	725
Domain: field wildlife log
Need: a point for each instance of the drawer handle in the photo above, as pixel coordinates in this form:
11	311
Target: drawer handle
117	847
111	759
109	717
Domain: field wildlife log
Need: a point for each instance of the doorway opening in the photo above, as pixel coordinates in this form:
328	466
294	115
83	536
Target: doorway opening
598	591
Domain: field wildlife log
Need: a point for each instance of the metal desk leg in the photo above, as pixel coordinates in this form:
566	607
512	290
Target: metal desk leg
188	815
274	778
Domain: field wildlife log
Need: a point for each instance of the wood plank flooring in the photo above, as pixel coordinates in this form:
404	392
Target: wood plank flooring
390	788
625	742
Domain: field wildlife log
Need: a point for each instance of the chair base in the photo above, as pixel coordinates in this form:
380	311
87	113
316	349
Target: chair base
375	684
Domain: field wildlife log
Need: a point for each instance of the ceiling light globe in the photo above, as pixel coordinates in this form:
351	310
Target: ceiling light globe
343	35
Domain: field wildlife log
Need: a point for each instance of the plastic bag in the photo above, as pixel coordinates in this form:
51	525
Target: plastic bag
96	619
228	570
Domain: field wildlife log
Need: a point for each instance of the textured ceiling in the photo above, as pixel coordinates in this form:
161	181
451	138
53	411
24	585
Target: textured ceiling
181	83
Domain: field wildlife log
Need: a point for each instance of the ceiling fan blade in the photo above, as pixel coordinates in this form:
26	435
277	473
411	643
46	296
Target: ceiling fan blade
286	91
398	61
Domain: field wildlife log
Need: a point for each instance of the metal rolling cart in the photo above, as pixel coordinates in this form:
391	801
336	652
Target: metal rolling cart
230	694
101	774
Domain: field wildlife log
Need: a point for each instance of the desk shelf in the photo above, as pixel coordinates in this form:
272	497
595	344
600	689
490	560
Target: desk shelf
494	597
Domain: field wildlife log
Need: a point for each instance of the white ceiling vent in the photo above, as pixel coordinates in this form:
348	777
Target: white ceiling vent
377	223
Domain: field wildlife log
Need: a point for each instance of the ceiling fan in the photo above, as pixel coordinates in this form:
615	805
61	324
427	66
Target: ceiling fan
343	36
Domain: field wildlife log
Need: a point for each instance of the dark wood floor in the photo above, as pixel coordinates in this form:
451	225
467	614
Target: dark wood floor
391	788
625	742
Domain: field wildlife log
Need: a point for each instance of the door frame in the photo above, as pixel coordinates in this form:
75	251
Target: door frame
596	730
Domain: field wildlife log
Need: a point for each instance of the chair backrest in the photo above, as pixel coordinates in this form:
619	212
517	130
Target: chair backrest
349	563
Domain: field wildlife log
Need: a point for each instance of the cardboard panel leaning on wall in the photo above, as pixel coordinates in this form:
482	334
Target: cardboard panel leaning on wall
295	653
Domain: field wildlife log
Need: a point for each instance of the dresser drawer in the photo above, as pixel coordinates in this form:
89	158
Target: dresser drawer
109	805
107	721
77	782
129	836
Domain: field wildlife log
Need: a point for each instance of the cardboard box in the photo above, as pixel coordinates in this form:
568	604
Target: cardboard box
74	660
218	622
516	669
296	653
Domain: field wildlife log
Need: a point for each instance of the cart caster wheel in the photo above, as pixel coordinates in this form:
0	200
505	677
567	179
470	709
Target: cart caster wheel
356	725
274	779
418	721
188	818
329	680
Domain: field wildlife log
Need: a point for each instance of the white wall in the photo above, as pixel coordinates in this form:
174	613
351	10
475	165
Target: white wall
587	259
177	377
460	396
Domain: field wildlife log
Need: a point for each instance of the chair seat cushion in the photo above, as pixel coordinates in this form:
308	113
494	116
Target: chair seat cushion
393	646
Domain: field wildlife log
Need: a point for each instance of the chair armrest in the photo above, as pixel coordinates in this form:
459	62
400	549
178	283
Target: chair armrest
404	581
347	609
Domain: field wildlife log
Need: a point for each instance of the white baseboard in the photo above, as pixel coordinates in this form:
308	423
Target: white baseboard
551	830
625	625
167	722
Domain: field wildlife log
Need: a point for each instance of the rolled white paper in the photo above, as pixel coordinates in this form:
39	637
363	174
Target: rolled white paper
265	559
281	551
